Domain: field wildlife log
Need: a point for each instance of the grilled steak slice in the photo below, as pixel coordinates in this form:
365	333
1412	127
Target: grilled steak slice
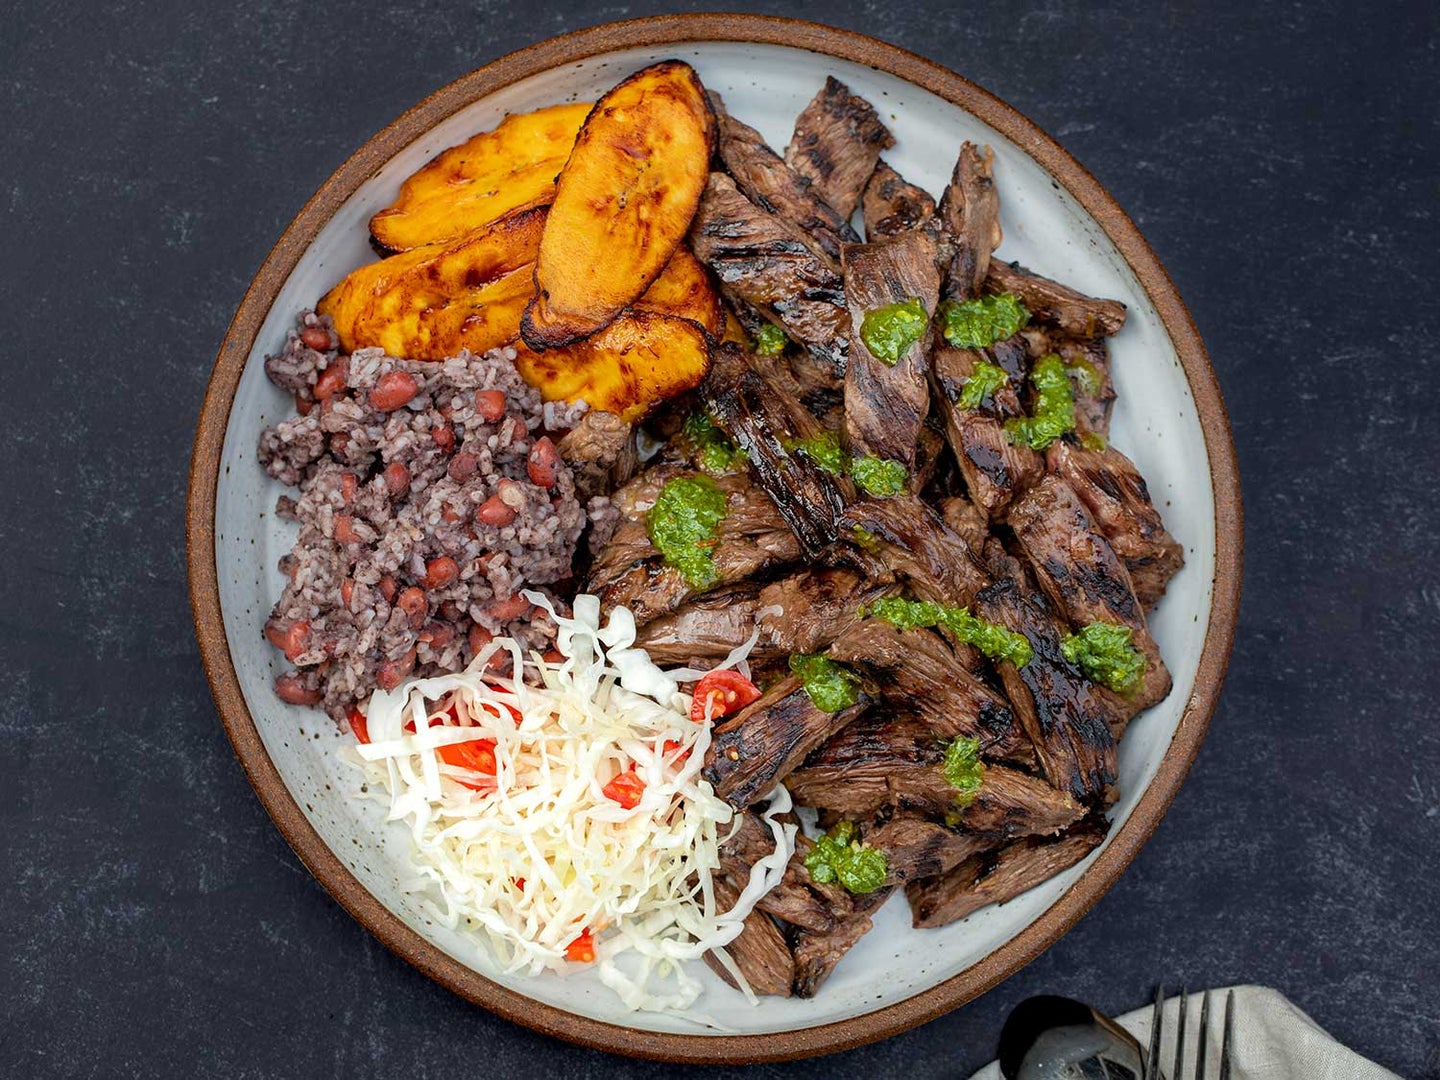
1009	803
807	611
773	185
994	468
920	671
816	954
1083	577
764	261
1114	492
763	418
970	211
910	538
601	451
797	900
837	141
630	572
760	952
915	847
1060	306
759	746
996	877
966	520
1088	362
891	205
706	629
885	404
1067	723
853	773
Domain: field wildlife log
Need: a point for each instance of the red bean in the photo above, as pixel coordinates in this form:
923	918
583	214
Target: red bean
303	406
494	512
511	608
348	483
295	635
347	592
289	689
331	381
478	637
275	634
397	479
392	672
449	609
463	466
388	588
490	405
441	571
544	463
412	601
316	337
553	656
438	634
450	514
444	436
345	529
393	390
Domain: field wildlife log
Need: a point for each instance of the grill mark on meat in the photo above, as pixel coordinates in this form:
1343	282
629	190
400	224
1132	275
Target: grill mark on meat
814	607
767	181
760	259
760	951
917	544
797	900
854	772
891	205
915	847
1072	312
996	877
970	212
837	141
757	748
885	405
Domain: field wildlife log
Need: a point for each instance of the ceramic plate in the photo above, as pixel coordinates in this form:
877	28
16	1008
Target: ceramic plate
1057	220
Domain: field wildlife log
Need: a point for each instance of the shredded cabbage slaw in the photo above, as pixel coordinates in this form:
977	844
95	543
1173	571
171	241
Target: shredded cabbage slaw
537	855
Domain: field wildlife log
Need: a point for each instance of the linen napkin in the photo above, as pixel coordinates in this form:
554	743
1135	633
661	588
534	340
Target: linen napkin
1273	1040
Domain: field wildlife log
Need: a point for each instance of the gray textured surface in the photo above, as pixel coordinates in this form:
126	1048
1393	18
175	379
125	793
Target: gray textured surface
1281	158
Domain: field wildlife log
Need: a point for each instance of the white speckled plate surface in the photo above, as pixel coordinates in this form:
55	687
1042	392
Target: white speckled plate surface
1156	422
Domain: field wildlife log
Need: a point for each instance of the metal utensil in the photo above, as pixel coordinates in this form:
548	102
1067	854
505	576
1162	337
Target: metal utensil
1059	1038
1157	1026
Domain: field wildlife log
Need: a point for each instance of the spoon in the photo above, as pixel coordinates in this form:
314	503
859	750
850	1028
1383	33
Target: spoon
1059	1038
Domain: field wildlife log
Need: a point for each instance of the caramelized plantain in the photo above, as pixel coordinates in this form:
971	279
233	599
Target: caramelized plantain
622	203
683	289
467	187
638	360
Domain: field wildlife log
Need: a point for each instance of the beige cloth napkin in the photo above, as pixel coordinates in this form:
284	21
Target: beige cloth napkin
1273	1040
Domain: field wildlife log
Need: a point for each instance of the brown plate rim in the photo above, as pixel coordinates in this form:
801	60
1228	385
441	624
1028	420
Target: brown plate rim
337	878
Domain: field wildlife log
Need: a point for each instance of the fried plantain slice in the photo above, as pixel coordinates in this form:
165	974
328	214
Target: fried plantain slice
638	360
622	203
683	289
512	167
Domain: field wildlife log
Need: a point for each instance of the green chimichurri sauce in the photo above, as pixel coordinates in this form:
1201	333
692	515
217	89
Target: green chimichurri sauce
770	340
890	330
831	686
879	476
1092	440
980	323
1104	653
824	450
993	640
1086	376
709	447
1054	411
983	381
963	769
682	526
839	856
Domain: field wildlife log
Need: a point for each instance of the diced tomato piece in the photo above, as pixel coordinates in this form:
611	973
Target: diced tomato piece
359	726
722	693
477	756
669	746
625	789
582	949
519	883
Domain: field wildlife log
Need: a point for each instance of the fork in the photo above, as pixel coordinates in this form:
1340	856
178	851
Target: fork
1157	1023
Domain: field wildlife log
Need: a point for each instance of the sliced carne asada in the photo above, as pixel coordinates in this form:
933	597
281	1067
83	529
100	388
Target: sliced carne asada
916	847
887	399
758	747
1083	577
601	451
996	877
763	260
966	520
891	205
970	211
919	670
837	141
630	572
1115	493
771	184
911	538
760	951
1008	803
767	423
1066	721
1087	362
816	954
1049	302
797	900
805	612
853	772
704	630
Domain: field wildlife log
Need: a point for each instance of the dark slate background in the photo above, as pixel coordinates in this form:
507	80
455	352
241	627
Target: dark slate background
1281	158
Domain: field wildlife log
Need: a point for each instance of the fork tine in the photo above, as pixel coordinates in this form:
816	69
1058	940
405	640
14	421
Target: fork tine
1228	1037
1179	1071
1157	1022
1204	1036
